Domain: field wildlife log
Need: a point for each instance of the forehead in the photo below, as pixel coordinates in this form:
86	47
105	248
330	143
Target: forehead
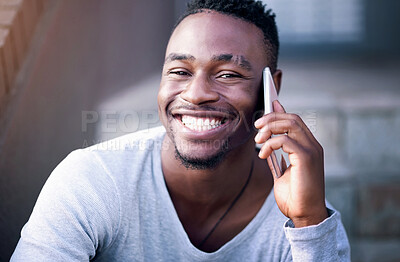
209	33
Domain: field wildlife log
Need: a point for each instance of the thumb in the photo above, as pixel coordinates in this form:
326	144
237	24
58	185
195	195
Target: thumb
278	107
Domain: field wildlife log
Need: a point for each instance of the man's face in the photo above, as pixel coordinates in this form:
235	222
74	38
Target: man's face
209	86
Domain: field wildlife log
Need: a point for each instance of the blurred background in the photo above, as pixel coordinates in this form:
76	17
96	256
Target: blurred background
74	73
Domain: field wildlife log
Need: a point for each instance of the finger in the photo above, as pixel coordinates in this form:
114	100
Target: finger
278	107
295	124
261	121
270	117
263	135
287	144
290	127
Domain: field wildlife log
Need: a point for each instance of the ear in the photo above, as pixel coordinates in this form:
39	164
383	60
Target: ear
277	76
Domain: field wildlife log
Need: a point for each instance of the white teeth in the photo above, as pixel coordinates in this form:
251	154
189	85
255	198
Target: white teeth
200	124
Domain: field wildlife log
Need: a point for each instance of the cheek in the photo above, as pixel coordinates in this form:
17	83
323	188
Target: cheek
161	97
166	94
162	93
245	102
162	100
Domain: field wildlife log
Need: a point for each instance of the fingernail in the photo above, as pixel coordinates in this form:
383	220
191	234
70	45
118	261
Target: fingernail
259	153
257	122
257	137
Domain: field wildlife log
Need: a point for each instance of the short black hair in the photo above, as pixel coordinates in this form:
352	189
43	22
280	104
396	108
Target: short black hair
248	10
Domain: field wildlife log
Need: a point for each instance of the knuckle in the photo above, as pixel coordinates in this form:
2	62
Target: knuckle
285	139
294	117
293	123
267	118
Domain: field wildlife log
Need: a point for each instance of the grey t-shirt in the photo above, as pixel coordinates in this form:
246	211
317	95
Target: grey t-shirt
109	202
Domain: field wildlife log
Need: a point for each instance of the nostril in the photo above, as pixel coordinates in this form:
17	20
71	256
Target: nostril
199	95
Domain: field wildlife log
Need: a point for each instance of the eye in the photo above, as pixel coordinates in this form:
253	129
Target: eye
178	73
229	77
226	76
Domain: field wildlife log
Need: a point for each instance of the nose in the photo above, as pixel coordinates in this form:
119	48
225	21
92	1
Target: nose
199	91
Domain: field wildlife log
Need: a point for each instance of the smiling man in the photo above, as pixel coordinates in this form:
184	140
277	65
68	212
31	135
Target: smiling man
196	189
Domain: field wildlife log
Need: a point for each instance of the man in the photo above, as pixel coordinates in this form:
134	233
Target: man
196	189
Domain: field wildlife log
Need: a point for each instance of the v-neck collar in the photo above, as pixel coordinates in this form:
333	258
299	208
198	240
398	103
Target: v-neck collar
183	238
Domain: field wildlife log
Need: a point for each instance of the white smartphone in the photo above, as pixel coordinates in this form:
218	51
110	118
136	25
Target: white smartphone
271	95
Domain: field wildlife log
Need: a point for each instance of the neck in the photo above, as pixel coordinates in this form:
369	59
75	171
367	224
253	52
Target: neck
208	188
202	198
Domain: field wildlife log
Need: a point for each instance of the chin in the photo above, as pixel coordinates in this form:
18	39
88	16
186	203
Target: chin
196	161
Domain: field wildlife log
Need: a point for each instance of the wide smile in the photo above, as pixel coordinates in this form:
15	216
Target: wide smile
199	124
204	125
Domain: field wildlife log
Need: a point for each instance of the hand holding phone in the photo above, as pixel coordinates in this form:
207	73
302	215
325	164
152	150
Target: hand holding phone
299	193
270	95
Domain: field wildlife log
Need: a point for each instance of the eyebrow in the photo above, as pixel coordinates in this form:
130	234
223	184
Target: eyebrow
175	56
240	60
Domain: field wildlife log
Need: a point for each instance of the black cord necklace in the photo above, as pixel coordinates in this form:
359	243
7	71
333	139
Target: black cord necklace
229	208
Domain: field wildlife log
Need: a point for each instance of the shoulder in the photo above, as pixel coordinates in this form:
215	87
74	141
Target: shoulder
128	148
124	157
111	164
107	165
82	205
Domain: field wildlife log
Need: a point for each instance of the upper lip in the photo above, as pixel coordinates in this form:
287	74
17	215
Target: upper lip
202	113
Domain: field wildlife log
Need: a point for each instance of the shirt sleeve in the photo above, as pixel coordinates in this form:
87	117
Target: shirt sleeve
326	241
76	215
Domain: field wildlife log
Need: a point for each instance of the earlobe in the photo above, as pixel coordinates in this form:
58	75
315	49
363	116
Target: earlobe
277	76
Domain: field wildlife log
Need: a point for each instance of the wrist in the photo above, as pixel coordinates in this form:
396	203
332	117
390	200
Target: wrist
310	220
